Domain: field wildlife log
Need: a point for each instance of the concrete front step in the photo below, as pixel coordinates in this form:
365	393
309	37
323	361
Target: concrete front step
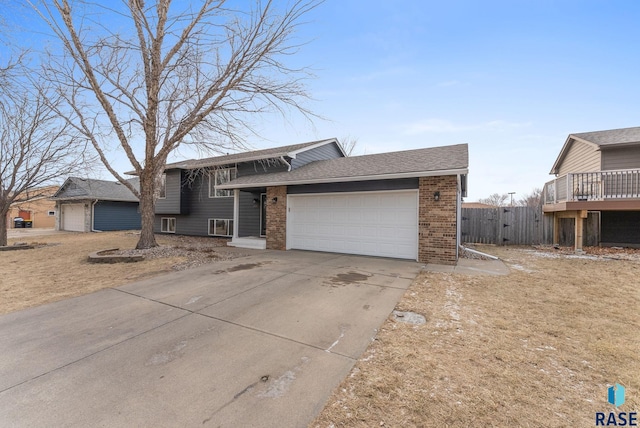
249	242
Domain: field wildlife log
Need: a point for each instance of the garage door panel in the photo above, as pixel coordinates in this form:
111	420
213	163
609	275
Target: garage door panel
379	224
73	217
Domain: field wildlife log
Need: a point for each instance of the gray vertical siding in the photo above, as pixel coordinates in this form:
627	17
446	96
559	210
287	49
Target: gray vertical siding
621	158
172	203
109	215
249	221
327	151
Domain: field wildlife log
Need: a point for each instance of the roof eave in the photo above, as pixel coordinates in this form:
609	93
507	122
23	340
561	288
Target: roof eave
393	176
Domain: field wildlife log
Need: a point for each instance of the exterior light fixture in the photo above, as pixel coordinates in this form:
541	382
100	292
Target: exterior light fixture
274	200
436	196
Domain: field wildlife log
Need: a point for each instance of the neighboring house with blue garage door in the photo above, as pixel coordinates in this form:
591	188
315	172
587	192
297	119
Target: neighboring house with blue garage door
311	196
86	205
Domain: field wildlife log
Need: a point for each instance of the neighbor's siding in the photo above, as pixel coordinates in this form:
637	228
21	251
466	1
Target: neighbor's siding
621	158
355	186
108	215
581	157
327	151
620	228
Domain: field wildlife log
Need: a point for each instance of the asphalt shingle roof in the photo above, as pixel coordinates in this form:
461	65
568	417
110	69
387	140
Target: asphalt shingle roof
88	188
611	137
410	162
274	152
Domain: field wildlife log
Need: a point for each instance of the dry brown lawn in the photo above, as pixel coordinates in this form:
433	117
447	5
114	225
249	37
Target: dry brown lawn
58	267
538	347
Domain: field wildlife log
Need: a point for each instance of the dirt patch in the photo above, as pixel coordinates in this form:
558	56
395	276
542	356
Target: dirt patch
58	268
246	266
349	278
538	347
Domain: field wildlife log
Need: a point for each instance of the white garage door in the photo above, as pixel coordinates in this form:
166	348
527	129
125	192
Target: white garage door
372	223
73	217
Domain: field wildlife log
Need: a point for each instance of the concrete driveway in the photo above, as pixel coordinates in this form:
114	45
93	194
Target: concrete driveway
257	341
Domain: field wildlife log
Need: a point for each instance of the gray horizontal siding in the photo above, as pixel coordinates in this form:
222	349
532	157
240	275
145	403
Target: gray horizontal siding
621	158
355	186
200	207
116	216
327	151
262	167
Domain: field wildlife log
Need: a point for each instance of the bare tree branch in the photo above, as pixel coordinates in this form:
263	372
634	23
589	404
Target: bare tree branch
196	76
36	146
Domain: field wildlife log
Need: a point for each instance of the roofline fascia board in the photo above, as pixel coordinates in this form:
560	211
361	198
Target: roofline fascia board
345	179
294	153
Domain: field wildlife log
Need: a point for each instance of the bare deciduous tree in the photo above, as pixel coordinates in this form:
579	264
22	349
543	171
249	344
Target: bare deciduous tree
349	144
496	200
533	199
35	147
171	77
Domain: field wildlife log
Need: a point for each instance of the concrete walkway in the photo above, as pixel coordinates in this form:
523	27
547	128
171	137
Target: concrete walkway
258	341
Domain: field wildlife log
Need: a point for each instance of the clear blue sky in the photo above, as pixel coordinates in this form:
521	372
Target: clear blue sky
510	78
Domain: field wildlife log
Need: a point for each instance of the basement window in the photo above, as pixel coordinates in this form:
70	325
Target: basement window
220	227
168	224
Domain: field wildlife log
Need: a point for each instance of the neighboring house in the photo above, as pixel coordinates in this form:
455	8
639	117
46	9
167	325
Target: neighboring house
597	188
37	208
86	205
312	197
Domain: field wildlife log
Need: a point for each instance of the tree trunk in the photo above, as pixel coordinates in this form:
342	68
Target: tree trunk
3	227
147	212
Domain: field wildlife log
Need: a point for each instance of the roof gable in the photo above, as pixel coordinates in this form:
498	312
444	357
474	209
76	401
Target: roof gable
87	188
600	140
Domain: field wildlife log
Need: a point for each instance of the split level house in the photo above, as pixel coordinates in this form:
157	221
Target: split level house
596	189
311	196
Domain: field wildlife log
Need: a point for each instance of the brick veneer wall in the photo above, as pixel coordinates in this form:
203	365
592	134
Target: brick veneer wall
437	220
277	218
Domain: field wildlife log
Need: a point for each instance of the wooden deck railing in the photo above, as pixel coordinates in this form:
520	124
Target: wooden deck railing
593	186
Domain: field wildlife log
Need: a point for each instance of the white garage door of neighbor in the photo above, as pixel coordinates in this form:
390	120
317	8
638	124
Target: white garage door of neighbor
73	217
373	223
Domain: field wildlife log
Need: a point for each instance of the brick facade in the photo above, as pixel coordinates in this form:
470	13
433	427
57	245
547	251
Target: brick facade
437	221
277	218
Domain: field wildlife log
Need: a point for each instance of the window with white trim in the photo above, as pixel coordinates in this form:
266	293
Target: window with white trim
220	227
163	187
168	224
218	177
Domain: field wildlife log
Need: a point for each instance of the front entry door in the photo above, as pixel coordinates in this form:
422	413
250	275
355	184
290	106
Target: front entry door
263	214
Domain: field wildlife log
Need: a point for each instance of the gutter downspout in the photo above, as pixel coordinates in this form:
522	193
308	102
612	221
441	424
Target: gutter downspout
287	163
93	210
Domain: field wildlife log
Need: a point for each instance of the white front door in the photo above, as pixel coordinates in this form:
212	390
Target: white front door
368	223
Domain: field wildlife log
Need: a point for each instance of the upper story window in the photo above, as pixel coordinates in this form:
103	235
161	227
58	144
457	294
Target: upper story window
163	186
218	177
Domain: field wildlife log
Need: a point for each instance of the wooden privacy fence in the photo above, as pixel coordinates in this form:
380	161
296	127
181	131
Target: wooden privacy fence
506	226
